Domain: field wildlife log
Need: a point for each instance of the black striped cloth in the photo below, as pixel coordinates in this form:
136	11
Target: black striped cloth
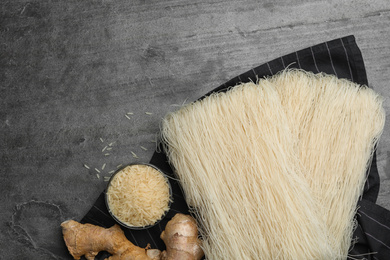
340	57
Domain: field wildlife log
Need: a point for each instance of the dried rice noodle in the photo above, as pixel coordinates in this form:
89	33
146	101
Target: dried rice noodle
336	124
273	170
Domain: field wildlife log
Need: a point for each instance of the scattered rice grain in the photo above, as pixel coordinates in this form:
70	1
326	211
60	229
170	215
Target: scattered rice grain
134	154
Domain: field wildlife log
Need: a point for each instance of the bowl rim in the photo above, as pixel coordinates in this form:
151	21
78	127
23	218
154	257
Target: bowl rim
138	227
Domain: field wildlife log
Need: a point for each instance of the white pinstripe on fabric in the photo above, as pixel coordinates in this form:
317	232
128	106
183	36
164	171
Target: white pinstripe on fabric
299	64
99	223
101	211
151	237
314	59
376	221
376	239
284	66
270	69
254	72
367	184
346	55
133	237
177	195
175	210
160	228
331	61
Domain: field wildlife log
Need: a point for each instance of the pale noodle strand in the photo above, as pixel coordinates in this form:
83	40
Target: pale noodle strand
234	156
336	134
274	170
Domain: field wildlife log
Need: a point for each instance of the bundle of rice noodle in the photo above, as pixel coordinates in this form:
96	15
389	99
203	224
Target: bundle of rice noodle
274	170
336	124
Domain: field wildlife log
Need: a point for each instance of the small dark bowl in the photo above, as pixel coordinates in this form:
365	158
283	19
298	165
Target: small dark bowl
138	227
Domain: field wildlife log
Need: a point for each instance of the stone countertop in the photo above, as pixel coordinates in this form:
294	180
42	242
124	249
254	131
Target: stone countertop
77	76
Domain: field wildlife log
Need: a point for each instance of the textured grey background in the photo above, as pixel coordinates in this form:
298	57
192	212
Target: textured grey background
71	70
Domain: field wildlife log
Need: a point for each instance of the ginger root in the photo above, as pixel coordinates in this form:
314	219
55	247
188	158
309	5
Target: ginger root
180	237
89	240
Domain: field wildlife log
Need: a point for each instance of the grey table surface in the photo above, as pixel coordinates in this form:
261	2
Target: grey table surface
77	76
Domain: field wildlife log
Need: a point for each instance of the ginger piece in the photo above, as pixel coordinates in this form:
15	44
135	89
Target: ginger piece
89	240
181	239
